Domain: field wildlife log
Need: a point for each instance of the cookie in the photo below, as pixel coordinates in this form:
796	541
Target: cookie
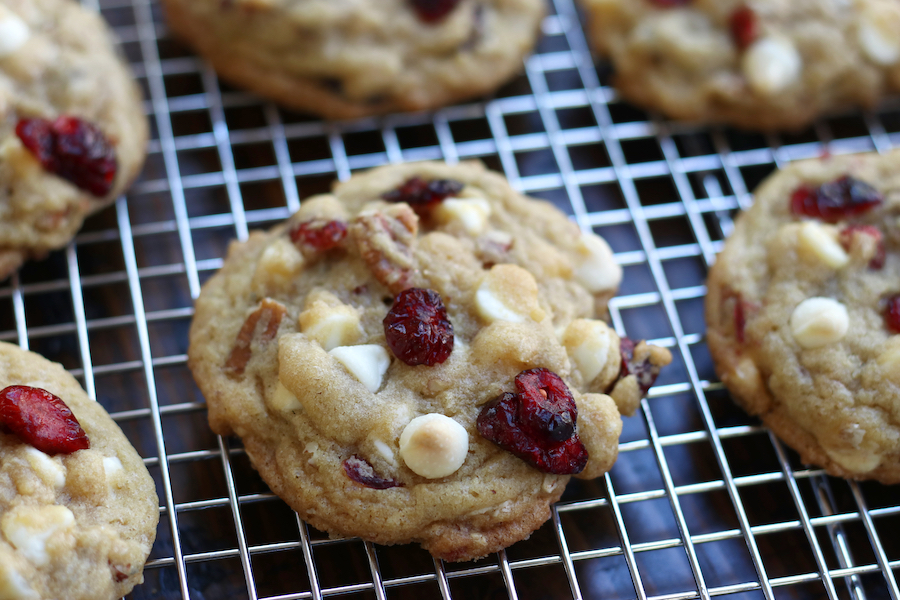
755	64
72	127
419	357
353	58
78	509
803	312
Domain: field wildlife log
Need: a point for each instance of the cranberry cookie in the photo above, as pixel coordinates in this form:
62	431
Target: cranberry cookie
418	357
78	509
72	128
349	58
803	312
756	64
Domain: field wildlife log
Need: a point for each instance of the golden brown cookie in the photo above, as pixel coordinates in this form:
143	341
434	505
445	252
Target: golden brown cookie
72	127
803	312
78	509
418	357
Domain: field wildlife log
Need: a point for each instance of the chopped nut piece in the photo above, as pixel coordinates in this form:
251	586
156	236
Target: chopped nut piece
384	239
818	322
434	445
262	325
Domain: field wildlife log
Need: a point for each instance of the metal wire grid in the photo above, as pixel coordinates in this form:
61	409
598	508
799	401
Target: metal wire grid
703	501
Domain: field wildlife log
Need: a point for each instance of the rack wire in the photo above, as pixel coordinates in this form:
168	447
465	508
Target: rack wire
702	502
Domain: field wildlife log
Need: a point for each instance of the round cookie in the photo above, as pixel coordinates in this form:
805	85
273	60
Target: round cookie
350	58
799	312
756	64
74	523
366	349
72	127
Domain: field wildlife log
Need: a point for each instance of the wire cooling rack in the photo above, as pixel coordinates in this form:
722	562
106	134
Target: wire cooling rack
702	501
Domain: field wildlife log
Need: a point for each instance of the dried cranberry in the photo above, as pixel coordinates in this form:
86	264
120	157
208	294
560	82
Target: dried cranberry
744	26
432	11
360	471
547	404
73	149
740	323
319	234
846	239
892	313
501	422
417	329
422	195
836	200
645	371
41	420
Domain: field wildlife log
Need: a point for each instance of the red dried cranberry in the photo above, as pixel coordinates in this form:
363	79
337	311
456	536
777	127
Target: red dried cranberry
892	313
432	11
740	323
744	26
846	239
501	422
319	234
417	329
41	420
547	404
360	471
73	149
836	200
422	195
645	371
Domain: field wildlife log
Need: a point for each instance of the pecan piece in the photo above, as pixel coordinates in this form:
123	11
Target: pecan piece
262	324
384	239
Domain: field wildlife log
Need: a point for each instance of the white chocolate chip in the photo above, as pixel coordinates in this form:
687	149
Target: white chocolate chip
818	322
855	461
279	263
508	293
588	343
367	362
771	64
877	34
385	451
50	470
596	269
13	586
113	468
820	242
28	528
331	326
13	33
434	445
471	213
282	400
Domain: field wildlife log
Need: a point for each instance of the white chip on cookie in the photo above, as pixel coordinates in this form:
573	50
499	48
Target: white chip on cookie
508	293
280	262
29	527
596	270
771	64
112	468
820	242
13	586
331	326
49	469
367	362
14	32
876	33
818	322
471	213
434	445
589	344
